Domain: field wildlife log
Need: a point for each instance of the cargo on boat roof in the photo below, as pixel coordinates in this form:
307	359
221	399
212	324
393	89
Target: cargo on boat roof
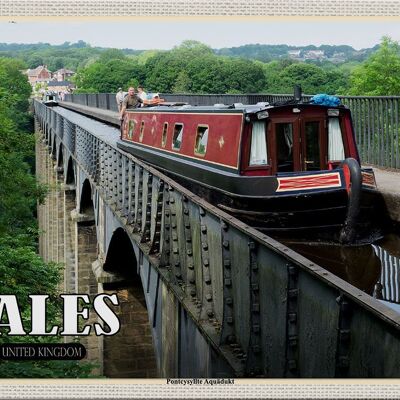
289	168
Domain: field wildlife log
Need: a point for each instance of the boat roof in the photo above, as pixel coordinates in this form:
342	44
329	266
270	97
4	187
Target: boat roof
232	108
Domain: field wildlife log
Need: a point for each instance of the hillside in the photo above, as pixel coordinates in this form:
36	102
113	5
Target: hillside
267	53
74	55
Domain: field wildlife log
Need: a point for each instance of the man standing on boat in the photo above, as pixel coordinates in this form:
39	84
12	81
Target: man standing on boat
119	98
130	101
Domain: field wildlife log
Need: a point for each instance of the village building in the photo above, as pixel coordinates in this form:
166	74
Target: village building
38	75
294	53
63	74
314	55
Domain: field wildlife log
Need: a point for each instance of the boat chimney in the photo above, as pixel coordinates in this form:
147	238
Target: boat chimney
297	93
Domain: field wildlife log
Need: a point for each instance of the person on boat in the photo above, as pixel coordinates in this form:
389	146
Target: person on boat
132	100
119	98
142	94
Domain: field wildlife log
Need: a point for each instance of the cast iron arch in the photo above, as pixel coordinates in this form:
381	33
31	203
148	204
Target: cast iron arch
121	257
60	158
70	176
86	203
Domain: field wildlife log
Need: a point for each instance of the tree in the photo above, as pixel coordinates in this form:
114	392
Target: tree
311	78
380	74
14	92
182	83
107	77
281	76
111	54
22	271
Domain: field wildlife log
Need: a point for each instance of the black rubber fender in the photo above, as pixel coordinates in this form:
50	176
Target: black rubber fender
353	178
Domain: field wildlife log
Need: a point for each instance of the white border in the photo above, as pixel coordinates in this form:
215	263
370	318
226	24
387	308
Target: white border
158	388
202	8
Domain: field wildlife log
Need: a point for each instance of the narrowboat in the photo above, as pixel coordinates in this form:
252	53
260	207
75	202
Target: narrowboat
50	99
289	169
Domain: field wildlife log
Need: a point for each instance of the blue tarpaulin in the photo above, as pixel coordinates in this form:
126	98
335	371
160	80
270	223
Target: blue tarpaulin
325	100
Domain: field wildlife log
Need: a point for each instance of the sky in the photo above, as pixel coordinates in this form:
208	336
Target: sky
165	34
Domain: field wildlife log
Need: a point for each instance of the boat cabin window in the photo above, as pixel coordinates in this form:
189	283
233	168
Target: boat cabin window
141	131
200	147
178	136
258	150
131	128
284	146
335	141
164	134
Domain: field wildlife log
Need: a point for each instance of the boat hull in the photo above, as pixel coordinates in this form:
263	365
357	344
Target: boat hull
314	205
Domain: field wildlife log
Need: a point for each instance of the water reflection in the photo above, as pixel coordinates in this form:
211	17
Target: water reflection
373	268
358	265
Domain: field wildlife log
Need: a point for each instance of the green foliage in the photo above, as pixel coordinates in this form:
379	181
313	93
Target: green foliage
111	54
267	53
22	271
281	76
14	92
20	267
106	77
380	74
67	55
194	68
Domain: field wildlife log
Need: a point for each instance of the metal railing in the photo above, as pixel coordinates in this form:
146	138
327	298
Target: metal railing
268	310
375	119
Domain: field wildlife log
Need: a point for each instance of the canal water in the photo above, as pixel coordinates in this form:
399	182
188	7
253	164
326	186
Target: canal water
373	268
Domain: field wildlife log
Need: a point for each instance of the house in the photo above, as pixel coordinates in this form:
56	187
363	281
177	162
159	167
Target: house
294	53
38	74
314	55
63	74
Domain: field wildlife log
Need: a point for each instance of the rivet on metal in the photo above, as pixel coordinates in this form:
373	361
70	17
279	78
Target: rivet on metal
252	245
228	282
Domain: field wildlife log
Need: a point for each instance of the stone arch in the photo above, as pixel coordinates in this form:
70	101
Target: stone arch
86	254
138	359
70	175
86	200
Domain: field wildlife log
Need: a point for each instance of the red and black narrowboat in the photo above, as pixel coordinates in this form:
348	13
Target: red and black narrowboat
287	169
